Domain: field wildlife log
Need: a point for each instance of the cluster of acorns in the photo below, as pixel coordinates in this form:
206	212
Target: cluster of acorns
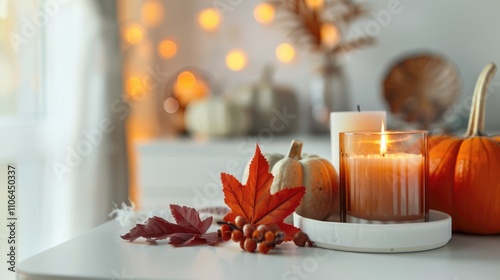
262	238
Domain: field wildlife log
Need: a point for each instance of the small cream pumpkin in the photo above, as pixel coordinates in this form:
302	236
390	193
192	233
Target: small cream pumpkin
215	117
317	174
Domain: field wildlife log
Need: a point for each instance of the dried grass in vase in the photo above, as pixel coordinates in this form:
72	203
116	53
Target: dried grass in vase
320	24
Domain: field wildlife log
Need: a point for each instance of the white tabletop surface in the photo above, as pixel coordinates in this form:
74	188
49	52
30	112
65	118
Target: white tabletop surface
102	254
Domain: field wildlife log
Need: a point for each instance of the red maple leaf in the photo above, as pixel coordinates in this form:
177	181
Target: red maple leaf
254	200
189	230
190	218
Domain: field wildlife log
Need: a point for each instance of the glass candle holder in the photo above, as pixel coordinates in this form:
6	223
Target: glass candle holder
383	177
351	121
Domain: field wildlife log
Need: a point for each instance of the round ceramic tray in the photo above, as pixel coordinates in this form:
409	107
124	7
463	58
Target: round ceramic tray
378	238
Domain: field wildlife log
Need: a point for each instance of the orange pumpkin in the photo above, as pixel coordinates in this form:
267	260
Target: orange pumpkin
464	171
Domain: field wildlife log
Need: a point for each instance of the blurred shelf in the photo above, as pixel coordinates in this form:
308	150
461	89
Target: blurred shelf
185	170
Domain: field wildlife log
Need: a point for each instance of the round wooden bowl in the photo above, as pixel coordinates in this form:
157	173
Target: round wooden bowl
421	88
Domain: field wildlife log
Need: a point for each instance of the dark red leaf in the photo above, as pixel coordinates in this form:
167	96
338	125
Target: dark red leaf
187	239
189	230
156	228
190	218
212	238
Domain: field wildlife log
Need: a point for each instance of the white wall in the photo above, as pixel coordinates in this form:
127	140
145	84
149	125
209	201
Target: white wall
466	32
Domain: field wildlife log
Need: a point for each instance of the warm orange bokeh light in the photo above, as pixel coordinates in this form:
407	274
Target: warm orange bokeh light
315	4
133	34
135	87
330	35
264	13
285	53
152	13
186	79
188	88
167	49
236	60
209	19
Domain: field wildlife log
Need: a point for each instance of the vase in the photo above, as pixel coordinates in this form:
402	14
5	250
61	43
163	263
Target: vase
329	93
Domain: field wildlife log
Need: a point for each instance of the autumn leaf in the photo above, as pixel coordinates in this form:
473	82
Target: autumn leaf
185	239
189	230
254	200
190	218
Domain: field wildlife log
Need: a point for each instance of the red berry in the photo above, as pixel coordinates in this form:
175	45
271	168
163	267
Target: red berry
248	230
240	221
269	237
237	235
258	235
264	247
225	227
250	245
226	235
262	228
242	244
300	239
309	242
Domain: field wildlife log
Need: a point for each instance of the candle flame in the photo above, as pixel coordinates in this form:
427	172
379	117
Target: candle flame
383	141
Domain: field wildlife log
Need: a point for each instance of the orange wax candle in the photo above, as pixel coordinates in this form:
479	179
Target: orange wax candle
383	176
385	188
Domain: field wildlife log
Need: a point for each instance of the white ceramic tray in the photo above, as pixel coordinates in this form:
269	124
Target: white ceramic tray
378	238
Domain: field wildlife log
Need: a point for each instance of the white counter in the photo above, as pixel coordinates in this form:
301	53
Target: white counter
102	254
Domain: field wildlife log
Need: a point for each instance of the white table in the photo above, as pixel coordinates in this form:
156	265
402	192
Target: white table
102	254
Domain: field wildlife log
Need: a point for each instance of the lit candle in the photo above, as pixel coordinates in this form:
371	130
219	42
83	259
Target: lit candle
352	121
383	176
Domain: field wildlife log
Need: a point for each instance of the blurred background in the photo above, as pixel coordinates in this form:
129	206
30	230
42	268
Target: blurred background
103	101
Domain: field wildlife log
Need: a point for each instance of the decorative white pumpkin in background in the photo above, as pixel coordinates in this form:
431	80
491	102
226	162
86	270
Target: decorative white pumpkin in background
267	103
216	118
317	174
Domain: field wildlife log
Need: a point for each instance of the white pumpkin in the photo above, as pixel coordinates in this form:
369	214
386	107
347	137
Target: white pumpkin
215	117
317	174
267	103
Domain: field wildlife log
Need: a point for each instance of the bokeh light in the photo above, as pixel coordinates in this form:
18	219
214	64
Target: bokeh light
133	34
209	19
188	88
236	60
264	13
135	87
171	105
285	53
152	13
315	4
186	79
330	35
167	49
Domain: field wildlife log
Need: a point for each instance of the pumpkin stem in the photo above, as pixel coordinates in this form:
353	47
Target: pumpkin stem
295	149
476	117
